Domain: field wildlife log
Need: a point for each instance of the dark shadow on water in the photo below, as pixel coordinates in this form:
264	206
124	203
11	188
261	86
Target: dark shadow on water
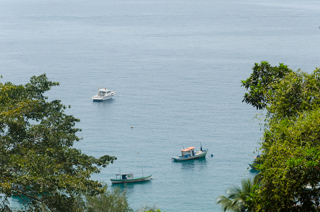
22	199
103	102
130	186
253	171
191	164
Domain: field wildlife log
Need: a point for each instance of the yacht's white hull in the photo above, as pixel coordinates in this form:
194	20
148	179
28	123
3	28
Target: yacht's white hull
99	99
103	98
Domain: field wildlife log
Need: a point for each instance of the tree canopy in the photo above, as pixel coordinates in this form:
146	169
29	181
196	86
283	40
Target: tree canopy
36	150
238	198
258	84
115	201
291	141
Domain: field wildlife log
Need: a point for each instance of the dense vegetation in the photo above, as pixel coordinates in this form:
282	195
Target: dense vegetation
290	160
36	154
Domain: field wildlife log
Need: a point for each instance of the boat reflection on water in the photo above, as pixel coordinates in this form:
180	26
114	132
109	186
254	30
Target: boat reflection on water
191	164
131	188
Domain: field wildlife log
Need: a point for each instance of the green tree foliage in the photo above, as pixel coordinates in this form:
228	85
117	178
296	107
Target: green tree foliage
290	145
239	199
149	209
258	84
290	172
36	154
296	93
115	201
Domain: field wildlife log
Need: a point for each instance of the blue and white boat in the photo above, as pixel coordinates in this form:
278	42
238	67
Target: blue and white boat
190	154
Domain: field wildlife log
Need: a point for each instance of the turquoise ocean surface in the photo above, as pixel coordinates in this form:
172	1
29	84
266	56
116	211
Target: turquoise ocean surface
176	67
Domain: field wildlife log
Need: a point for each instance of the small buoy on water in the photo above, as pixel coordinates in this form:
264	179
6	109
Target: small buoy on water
131	127
211	155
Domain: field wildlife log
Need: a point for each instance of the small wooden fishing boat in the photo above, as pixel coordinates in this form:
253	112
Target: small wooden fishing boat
129	178
188	154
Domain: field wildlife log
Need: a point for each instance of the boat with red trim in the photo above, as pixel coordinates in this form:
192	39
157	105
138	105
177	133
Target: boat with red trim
189	154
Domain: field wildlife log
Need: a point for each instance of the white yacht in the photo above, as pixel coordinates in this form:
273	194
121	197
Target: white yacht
103	94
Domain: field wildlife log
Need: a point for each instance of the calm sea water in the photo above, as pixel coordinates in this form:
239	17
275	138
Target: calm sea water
176	66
